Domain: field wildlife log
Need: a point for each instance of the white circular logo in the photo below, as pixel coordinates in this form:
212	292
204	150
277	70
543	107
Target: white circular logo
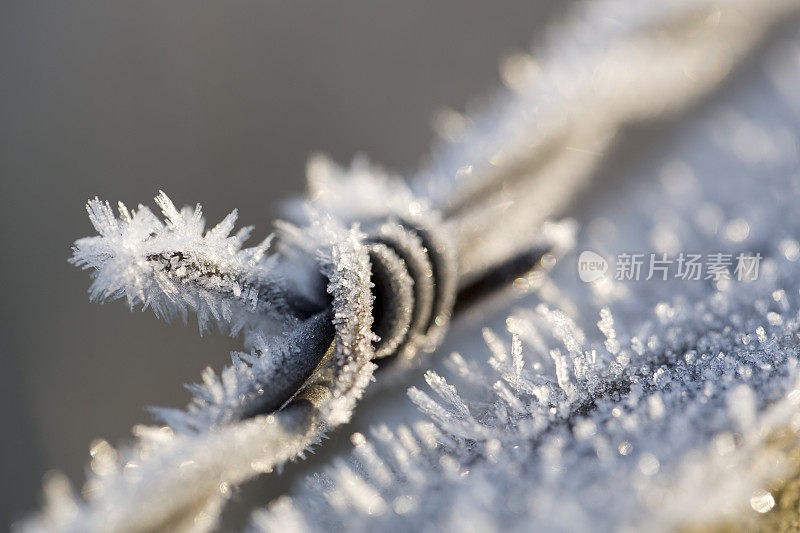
591	266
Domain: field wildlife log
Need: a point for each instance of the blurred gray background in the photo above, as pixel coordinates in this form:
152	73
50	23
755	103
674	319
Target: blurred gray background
214	102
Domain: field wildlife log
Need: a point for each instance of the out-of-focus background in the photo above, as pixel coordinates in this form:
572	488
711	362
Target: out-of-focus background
214	102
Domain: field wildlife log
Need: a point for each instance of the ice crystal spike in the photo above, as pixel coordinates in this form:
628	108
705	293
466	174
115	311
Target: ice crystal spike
175	267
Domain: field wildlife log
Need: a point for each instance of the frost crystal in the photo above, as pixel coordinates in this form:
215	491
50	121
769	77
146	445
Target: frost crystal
172	267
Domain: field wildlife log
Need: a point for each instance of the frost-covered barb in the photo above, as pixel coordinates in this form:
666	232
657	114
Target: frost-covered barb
311	335
257	381
178	477
175	267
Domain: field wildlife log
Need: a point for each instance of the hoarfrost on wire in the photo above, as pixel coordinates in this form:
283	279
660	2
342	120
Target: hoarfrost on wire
607	406
172	267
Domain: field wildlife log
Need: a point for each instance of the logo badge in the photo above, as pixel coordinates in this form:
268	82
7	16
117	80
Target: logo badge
591	266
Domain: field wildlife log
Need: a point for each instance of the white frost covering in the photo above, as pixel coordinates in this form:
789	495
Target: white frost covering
134	257
611	64
607	406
